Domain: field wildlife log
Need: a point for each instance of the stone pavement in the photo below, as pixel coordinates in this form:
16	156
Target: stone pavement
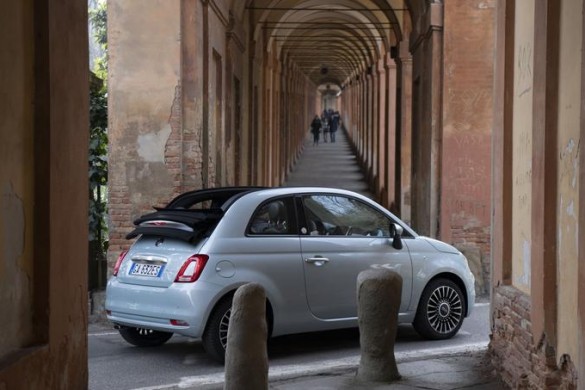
329	165
470	370
335	165
464	370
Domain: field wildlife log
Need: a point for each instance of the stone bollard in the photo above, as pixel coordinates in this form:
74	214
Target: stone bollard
246	360
379	294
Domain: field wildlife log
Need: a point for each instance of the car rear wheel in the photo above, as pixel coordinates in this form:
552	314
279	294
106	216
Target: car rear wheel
440	311
141	337
215	335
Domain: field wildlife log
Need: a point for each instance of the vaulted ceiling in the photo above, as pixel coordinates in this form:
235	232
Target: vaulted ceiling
330	40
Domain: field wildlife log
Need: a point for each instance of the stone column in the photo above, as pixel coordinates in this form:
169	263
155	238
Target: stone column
391	146
404	193
379	294
246	360
381	185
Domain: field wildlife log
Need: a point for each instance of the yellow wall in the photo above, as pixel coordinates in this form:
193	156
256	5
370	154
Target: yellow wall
568	175
522	145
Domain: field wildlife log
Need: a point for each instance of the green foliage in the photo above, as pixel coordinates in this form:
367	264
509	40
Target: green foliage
98	164
98	139
99	19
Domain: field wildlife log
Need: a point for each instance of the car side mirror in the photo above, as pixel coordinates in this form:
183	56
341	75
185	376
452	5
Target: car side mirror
396	233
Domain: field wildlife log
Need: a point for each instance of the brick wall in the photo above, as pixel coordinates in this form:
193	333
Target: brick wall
474	243
520	363
123	210
467	125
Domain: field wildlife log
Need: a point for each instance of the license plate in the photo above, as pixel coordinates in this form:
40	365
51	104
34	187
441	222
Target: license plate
153	270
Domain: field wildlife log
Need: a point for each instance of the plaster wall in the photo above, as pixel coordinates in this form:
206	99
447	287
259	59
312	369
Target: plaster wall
144	106
426	126
16	178
536	334
259	124
405	126
218	159
43	201
234	106
522	145
382	117
187	122
570	66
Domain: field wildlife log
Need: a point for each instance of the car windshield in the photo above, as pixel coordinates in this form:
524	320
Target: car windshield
341	215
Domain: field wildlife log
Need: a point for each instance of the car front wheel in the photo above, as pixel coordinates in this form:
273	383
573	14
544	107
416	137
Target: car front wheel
141	337
440	311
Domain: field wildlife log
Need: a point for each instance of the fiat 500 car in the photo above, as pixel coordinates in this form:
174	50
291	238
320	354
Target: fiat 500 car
305	246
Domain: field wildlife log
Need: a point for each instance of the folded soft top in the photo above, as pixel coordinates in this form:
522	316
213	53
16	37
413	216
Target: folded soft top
189	216
186	225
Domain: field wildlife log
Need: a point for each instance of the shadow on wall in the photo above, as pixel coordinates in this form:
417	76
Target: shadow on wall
477	262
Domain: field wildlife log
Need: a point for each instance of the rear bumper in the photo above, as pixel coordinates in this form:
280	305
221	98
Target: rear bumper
154	307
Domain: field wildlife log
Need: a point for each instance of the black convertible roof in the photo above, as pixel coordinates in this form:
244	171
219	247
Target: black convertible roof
179	220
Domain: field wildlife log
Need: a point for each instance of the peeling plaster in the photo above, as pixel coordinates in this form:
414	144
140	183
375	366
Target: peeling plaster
569	157
151	147
13	225
15	287
569	225
524	279
571	209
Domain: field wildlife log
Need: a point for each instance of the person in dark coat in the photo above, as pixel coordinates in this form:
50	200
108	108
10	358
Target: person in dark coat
316	129
334	125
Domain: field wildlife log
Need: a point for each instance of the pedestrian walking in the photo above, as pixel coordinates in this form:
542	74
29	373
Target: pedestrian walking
325	126
334	125
316	129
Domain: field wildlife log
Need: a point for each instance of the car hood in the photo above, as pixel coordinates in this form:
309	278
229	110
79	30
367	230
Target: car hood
441	246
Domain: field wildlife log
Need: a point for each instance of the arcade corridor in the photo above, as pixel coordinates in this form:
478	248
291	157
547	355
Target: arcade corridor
465	117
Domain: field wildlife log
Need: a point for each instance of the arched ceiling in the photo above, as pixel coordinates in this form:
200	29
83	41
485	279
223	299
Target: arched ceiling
331	41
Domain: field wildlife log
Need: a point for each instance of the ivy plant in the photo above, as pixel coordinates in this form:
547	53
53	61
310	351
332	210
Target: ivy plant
98	139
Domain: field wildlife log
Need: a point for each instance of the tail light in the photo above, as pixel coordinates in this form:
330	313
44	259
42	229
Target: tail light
179	323
119	262
191	270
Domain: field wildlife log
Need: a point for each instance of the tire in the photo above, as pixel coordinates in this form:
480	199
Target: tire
215	334
141	337
441	310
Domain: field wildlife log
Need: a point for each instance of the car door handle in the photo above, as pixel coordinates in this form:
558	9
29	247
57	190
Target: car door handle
318	261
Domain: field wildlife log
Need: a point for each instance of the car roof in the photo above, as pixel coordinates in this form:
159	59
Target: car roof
301	190
218	195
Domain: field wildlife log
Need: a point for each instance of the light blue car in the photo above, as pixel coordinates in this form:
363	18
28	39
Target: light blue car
305	246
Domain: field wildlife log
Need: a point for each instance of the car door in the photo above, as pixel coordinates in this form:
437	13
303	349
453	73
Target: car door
341	237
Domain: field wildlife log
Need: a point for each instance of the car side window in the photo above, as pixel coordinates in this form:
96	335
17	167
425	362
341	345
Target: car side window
273	217
336	215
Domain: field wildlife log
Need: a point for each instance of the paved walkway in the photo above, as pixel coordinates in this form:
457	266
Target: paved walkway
329	165
464	370
335	165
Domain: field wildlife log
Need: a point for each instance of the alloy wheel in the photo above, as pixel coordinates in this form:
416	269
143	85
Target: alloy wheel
223	328
444	309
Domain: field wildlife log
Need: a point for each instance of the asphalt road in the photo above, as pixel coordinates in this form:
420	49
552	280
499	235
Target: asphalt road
114	364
